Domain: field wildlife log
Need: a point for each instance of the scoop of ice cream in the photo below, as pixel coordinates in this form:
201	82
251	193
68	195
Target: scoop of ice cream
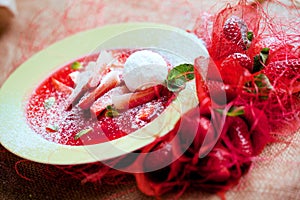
144	69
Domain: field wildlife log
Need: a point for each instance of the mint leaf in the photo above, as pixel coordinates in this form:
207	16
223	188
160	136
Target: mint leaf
111	112
264	85
178	76
234	111
250	36
261	59
264	54
82	132
76	66
261	86
262	81
48	103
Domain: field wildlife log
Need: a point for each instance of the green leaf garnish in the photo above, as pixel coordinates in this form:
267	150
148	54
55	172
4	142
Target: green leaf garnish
52	127
178	76
82	132
261	59
262	81
250	36
111	112
76	65
234	111
261	86
264	85
264	54
48	103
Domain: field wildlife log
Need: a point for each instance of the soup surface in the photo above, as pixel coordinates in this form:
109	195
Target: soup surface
50	113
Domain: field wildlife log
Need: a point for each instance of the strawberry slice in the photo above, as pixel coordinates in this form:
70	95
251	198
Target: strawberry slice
108	82
240	136
81	87
135	99
61	86
100	104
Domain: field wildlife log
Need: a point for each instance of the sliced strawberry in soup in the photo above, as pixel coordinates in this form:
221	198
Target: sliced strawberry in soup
108	82
135	99
100	104
61	87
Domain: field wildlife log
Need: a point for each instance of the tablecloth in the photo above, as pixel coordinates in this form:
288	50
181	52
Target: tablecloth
274	175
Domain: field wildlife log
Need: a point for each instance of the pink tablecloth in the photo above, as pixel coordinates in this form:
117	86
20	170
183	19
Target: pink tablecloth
275	175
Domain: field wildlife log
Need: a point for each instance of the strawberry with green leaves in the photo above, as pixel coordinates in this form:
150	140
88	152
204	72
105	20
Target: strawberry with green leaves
284	74
231	38
236	31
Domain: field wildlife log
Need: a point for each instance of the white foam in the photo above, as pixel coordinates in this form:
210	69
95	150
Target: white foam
144	69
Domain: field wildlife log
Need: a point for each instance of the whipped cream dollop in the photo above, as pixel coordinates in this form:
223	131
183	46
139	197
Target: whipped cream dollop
144	69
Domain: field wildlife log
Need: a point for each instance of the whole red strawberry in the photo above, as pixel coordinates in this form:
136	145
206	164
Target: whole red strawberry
240	58
230	37
240	136
236	30
283	72
221	93
234	69
161	156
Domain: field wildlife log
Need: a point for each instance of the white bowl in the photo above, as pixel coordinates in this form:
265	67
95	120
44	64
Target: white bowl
20	139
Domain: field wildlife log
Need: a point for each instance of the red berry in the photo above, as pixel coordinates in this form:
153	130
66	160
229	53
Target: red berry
160	157
216	165
240	136
242	59
235	30
233	72
220	92
280	48
286	69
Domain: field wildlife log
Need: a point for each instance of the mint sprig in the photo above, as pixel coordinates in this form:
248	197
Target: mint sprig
76	66
111	112
178	76
82	132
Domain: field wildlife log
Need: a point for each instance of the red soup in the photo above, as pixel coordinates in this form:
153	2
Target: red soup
84	120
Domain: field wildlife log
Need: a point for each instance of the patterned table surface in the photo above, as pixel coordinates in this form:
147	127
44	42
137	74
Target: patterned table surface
40	23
